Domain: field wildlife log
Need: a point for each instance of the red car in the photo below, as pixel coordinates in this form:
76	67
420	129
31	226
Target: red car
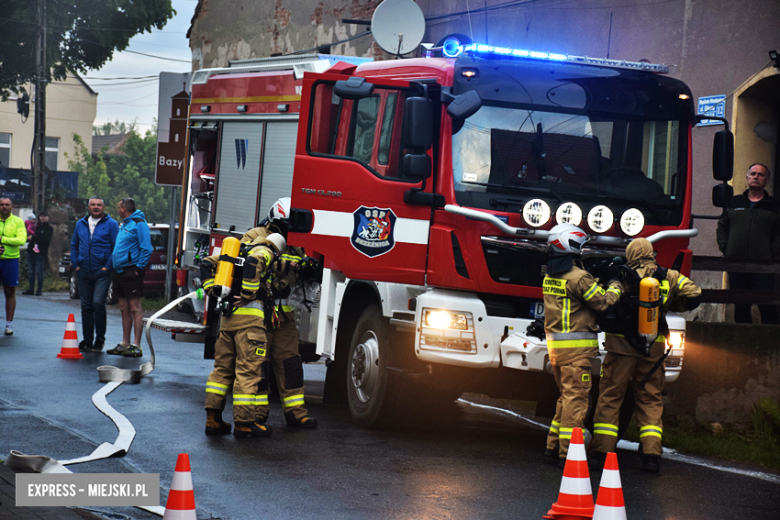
154	280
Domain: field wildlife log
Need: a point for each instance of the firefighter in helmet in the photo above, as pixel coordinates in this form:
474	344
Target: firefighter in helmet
242	345
284	358
572	298
624	364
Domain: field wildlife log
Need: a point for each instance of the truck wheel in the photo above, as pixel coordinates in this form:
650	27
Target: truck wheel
367	373
73	286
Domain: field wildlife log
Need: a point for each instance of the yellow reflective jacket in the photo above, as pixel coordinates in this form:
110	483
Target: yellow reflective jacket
13	234
571	302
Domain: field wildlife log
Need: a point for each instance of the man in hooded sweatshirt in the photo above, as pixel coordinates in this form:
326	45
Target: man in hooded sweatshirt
623	364
131	254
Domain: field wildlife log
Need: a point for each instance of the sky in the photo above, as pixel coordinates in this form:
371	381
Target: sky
128	100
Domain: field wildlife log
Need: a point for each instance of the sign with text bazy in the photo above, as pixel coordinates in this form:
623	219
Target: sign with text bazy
172	128
712	106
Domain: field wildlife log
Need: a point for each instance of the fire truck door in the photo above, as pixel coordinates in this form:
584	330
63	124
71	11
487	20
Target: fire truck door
349	185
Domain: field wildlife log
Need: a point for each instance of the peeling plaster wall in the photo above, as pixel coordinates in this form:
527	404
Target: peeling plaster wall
226	30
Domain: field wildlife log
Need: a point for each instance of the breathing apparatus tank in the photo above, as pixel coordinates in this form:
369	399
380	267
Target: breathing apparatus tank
649	300
231	248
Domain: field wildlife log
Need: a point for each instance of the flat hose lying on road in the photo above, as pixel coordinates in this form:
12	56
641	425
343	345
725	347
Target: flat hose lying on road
114	377
109	374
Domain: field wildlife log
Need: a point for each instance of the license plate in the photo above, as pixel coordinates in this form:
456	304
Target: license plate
158	267
62	269
537	310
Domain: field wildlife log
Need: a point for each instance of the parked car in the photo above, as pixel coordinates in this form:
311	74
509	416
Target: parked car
154	279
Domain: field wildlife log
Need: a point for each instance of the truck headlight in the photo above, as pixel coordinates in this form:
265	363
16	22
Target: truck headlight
441	319
600	219
536	212
676	340
632	222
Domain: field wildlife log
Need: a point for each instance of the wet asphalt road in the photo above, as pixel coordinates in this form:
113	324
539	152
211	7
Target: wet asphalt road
458	463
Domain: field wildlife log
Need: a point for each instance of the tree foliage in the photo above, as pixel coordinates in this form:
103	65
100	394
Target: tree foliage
114	177
115	128
81	35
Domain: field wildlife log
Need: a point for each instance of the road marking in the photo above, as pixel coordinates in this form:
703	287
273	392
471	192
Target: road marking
669	453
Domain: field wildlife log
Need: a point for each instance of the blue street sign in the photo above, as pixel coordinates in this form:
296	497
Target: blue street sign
712	106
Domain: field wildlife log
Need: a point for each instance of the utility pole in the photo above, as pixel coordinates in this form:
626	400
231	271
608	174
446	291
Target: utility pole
41	72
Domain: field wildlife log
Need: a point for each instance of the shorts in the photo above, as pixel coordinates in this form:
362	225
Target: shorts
124	286
9	272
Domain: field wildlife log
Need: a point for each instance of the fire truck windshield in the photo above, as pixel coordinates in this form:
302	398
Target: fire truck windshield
502	157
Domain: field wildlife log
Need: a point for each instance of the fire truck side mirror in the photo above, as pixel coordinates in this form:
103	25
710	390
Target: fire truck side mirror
418	124
416	166
723	156
353	88
721	195
464	106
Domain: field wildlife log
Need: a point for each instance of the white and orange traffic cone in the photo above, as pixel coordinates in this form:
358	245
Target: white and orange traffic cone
609	503
575	498
70	342
181	499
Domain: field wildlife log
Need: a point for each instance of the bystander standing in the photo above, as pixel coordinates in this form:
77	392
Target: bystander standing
90	256
13	234
131	254
750	230
37	252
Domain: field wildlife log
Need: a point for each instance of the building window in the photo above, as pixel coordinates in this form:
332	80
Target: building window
5	150
52	152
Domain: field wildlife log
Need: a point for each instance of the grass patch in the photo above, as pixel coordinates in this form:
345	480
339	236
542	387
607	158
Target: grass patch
153	304
758	443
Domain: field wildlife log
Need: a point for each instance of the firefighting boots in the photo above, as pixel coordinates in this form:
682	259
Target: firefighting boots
650	463
551	454
304	422
214	423
246	430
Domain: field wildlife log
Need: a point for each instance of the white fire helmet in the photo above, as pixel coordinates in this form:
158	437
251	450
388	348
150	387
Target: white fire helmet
566	239
277	241
280	210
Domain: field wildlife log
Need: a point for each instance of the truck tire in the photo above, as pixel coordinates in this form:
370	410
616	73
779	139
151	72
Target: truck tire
367	374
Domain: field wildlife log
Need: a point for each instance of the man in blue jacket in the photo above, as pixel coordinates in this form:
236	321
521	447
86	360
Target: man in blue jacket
90	256
131	254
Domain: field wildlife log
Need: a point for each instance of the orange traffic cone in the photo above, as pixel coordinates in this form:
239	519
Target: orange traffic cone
609	503
70	343
181	499
575	498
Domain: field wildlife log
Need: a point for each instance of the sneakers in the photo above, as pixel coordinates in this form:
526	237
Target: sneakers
85	345
247	430
215	425
306	422
133	351
39	293
98	346
9	331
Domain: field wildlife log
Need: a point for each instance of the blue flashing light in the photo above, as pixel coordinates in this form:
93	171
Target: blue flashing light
451	47
584	60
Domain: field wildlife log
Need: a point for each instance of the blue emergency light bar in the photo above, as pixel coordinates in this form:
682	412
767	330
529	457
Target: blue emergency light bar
489	50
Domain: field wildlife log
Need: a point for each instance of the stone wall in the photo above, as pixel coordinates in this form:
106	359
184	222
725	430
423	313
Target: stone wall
727	368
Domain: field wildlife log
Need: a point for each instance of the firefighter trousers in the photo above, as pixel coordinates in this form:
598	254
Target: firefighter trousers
285	361
573	380
238	357
619	371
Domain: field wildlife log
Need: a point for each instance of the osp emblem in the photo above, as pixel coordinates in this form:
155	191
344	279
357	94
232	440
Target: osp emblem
373	231
242	147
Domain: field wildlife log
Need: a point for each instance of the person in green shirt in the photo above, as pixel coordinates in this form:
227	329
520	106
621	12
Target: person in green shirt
13	234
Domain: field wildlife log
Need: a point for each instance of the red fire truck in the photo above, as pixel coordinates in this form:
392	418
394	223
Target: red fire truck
427	187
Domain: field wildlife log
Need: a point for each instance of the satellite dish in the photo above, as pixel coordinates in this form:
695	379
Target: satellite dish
398	26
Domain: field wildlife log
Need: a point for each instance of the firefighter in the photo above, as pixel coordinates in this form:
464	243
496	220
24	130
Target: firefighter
572	297
242	345
623	363
284	358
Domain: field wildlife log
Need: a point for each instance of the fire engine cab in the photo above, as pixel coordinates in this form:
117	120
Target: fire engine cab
427	187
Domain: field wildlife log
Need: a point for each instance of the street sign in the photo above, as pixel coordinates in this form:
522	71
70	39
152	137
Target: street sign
712	106
172	128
